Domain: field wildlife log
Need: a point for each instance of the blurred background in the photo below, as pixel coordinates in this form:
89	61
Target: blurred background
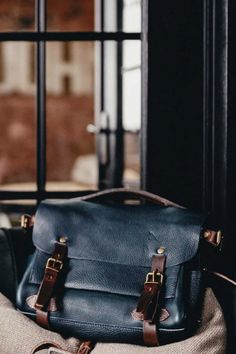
71	91
73	110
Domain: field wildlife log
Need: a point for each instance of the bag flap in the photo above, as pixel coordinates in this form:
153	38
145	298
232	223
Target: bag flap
118	234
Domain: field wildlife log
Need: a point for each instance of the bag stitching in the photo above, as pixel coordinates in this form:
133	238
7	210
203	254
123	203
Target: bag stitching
90	324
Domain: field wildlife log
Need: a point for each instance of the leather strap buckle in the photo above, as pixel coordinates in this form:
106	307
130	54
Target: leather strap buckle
219	237
154	277
54	264
26	221
215	238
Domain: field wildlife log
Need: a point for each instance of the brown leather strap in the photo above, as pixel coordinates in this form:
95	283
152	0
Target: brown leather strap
147	296
28	221
158	267
150	334
42	318
152	286
52	269
86	347
214	237
222	276
129	193
147	307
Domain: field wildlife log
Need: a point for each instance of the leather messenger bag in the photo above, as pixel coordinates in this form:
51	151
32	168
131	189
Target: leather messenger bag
116	272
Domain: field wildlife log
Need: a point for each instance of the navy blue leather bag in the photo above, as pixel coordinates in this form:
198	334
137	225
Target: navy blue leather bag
116	272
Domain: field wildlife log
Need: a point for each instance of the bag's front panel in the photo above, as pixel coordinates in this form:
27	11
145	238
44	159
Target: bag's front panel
90	313
84	313
109	254
103	276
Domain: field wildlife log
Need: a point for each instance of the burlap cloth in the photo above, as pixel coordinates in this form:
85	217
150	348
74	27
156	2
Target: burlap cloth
19	335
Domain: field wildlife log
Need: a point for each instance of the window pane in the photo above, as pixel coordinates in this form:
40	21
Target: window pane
131	176
17	15
118	15
17	118
132	16
131	85
118	106
131	111
70	15
71	161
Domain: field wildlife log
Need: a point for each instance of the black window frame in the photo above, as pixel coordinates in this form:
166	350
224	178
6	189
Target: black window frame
41	36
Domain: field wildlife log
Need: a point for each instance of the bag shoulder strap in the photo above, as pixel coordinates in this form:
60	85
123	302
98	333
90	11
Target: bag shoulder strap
220	275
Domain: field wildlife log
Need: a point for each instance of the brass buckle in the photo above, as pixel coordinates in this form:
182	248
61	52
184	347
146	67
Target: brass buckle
154	278
25	221
54	264
216	240
219	237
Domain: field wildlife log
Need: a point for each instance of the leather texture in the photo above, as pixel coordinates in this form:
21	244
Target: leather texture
49	283
8	284
13	259
110	250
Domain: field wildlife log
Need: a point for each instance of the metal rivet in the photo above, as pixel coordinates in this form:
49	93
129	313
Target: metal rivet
62	239
161	250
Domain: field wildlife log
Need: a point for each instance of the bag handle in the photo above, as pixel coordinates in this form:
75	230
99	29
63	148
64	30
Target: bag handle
210	236
27	221
126	193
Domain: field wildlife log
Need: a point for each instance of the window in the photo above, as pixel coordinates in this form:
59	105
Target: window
69	97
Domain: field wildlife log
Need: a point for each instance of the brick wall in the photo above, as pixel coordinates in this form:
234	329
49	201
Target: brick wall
67	15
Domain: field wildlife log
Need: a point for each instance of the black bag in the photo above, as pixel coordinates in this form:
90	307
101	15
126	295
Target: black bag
13	258
8	284
116	273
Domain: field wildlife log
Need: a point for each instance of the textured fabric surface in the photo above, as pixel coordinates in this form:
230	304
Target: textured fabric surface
210	338
19	335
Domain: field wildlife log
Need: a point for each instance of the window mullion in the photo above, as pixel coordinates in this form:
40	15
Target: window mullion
109	106
41	99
